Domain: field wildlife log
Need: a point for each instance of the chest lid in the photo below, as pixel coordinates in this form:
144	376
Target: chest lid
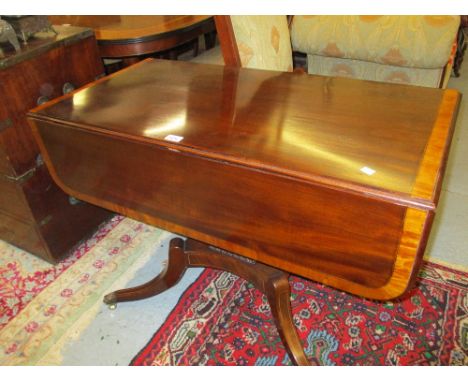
43	42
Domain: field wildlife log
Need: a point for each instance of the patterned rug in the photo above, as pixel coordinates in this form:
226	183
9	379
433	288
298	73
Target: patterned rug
223	320
42	307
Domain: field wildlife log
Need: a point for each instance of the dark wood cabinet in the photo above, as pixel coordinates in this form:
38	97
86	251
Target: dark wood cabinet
35	214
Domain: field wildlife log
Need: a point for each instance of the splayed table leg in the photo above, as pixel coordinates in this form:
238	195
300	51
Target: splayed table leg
273	282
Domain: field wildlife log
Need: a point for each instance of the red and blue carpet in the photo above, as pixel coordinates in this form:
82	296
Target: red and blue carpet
223	320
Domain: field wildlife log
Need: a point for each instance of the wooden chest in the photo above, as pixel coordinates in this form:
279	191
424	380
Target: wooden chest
34	213
336	180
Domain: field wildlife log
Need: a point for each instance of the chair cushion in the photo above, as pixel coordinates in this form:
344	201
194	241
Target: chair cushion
410	41
345	67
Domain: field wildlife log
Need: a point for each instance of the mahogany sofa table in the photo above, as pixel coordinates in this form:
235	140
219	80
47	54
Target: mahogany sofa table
335	180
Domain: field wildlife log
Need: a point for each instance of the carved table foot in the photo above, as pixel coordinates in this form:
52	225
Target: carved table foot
170	276
273	282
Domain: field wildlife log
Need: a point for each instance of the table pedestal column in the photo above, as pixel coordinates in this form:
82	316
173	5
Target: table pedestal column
273	282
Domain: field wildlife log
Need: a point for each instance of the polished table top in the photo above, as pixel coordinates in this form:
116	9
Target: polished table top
128	27
366	137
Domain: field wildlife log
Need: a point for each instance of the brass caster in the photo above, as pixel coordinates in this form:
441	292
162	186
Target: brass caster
110	301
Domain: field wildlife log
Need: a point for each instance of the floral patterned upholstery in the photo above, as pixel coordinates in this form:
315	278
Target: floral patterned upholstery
402	49
263	42
343	67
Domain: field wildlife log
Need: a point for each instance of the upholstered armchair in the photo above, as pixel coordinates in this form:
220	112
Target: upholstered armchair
415	50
